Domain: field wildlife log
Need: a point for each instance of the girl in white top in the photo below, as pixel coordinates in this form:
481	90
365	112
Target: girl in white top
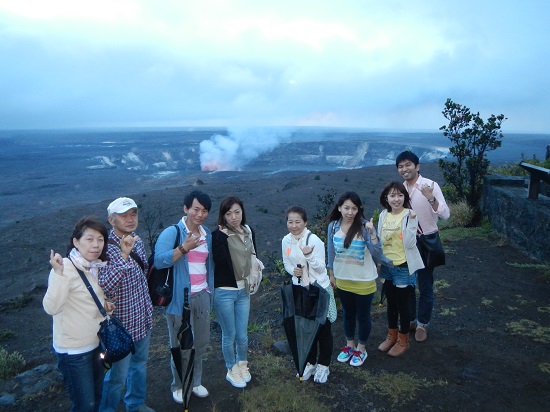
304	260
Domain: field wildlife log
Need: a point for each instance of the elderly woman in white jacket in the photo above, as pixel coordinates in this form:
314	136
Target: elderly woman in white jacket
304	260
397	226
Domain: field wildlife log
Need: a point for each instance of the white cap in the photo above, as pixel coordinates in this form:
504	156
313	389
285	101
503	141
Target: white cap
121	205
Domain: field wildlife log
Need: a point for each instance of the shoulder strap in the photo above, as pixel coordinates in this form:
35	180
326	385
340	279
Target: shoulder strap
251	240
90	289
133	254
178	236
307	238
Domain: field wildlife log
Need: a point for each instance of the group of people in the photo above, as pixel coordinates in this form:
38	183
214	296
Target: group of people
213	267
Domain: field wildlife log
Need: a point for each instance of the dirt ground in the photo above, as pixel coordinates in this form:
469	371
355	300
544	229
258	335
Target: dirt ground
487	349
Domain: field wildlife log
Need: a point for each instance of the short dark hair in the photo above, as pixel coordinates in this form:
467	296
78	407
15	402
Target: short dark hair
201	197
297	209
89	222
407	155
227	204
400	188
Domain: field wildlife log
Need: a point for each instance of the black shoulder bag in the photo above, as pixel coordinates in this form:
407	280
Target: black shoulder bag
430	248
115	341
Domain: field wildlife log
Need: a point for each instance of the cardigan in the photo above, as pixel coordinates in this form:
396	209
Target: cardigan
408	229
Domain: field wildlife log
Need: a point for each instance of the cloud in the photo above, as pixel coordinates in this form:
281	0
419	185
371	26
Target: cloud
234	63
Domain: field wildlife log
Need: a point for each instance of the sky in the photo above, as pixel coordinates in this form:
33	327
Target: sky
239	63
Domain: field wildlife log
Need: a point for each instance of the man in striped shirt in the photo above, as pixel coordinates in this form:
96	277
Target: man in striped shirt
123	281
194	270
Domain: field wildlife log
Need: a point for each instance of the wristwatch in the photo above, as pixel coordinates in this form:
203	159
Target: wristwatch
431	202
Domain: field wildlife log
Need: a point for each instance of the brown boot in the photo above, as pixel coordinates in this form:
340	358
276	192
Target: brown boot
400	346
390	340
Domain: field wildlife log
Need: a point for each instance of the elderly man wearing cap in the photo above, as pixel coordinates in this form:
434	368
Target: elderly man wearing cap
123	280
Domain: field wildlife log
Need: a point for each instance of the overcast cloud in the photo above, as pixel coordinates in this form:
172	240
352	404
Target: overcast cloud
345	63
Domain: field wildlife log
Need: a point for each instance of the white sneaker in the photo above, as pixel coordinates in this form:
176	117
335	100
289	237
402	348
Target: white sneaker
308	371
200	391
234	377
245	373
322	374
178	395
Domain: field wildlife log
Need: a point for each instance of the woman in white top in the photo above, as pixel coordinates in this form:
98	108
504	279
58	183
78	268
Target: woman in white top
304	260
76	316
353	251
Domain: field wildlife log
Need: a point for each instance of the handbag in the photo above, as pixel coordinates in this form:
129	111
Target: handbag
431	249
256	266
115	341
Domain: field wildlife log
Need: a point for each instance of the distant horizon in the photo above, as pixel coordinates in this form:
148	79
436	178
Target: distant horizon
226	128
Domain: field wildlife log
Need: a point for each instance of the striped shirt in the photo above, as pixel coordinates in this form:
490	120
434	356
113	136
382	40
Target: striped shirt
124	281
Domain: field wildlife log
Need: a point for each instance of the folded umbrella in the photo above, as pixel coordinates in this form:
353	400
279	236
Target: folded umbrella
304	312
184	354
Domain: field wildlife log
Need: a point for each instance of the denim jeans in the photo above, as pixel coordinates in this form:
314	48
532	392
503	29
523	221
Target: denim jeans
130	372
399	276
232	309
425	281
83	377
356	309
200	324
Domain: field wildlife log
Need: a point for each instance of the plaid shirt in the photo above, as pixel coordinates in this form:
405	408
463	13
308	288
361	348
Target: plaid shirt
125	282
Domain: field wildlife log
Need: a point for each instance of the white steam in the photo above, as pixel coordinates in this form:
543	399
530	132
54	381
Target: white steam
239	147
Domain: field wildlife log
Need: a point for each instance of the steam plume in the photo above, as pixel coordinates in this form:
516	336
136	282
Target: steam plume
239	147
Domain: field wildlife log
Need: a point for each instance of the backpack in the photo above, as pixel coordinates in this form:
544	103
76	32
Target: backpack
161	281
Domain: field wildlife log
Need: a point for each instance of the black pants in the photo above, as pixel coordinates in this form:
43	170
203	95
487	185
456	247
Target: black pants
323	343
398	306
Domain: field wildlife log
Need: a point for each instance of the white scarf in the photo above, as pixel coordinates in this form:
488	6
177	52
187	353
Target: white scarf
86	265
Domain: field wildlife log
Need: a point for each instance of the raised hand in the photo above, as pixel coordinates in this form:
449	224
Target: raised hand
306	250
192	241
412	214
428	191
57	262
127	243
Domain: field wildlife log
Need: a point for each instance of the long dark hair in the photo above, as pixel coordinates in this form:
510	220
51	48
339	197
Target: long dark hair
357	225
394	186
89	222
227	204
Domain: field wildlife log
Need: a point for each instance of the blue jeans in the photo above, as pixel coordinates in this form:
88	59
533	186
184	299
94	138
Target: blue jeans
232	310
130	372
425	281
83	377
398	276
356	309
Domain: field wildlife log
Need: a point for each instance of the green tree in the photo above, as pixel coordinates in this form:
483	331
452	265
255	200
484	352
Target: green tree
472	138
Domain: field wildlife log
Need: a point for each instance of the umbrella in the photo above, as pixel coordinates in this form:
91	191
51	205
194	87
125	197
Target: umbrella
184	354
304	311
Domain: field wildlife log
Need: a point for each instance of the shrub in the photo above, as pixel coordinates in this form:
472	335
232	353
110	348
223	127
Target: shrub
7	334
11	364
462	215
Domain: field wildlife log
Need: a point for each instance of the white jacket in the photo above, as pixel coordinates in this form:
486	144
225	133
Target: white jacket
313	265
